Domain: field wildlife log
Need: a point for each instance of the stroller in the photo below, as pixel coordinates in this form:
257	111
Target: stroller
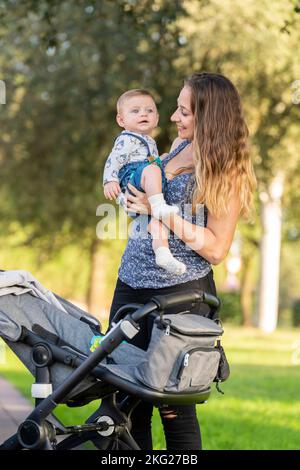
54	346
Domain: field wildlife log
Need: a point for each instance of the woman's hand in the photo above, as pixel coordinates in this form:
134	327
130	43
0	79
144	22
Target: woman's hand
136	203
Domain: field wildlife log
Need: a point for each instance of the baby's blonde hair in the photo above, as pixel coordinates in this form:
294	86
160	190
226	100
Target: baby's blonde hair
129	94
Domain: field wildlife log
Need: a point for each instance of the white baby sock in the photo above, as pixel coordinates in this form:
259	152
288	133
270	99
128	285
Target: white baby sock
166	260
159	208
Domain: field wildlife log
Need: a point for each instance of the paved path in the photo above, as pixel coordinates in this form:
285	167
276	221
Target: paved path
14	408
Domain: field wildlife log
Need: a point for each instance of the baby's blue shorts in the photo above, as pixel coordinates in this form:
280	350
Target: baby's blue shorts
132	173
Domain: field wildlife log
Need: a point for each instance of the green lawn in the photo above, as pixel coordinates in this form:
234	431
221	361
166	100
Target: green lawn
261	405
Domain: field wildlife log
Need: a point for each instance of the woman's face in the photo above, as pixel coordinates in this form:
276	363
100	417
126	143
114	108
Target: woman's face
183	116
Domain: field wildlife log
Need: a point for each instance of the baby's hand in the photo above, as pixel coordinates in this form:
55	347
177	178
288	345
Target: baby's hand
112	190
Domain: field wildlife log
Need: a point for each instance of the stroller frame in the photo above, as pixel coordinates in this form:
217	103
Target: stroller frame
108	428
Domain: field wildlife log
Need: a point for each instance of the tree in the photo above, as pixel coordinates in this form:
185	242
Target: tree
257	47
65	64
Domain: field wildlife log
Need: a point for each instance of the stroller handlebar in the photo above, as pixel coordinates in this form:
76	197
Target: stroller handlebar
143	311
211	300
188	299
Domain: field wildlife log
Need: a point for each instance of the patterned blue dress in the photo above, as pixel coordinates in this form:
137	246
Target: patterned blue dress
138	268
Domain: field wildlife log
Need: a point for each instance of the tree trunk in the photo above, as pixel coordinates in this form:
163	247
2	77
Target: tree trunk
96	292
246	290
270	256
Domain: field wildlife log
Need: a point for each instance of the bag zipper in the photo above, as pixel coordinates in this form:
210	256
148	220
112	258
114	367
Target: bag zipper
186	358
169	328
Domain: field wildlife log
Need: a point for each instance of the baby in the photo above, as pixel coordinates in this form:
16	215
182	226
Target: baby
134	158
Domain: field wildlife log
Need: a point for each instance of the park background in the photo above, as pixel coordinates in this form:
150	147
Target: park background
62	66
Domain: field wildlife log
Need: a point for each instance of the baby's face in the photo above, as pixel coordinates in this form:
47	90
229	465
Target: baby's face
138	114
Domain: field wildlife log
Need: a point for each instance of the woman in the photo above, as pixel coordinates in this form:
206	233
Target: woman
209	171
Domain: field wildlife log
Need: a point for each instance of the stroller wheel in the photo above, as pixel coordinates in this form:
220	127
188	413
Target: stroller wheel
32	435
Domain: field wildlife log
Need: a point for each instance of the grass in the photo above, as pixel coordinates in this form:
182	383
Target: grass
261	408
261	405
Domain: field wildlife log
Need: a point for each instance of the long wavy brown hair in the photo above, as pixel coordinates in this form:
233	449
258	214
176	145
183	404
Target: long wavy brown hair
221	150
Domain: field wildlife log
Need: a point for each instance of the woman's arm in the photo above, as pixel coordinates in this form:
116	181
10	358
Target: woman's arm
213	241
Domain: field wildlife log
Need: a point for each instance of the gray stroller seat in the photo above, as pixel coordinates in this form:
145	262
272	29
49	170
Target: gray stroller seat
29	324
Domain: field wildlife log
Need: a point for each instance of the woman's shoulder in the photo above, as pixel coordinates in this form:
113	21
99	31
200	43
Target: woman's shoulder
176	143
